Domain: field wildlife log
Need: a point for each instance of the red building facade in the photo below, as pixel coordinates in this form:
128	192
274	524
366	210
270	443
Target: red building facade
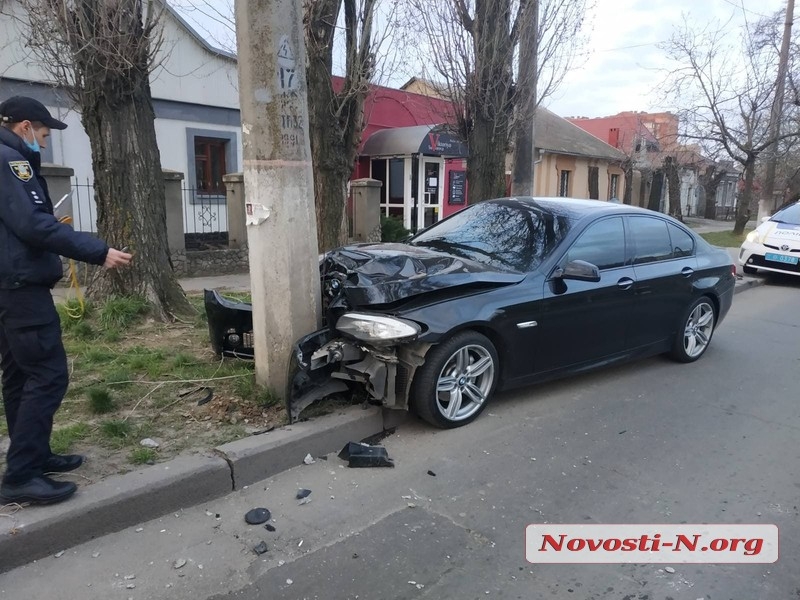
408	145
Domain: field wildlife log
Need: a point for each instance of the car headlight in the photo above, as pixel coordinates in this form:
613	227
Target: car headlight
376	328
753	237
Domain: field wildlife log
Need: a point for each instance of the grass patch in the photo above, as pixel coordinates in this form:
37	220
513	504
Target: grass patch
117	376
72	314
98	356
100	401
267	397
238	296
116	430
182	359
143	456
128	348
145	360
62	440
121	312
112	335
724	239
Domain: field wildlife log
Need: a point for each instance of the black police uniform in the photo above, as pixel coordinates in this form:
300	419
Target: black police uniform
32	356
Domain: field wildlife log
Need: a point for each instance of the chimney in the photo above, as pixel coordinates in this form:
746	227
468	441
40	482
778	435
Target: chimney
613	137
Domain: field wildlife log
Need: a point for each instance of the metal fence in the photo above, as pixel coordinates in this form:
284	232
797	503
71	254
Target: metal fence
84	210
205	216
205	220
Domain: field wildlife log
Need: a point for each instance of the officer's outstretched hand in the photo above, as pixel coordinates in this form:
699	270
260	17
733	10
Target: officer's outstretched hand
116	258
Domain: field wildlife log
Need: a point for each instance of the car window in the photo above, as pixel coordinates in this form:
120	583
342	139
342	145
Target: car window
682	242
651	240
508	234
602	244
790	214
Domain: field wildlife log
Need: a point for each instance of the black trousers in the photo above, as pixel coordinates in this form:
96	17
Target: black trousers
35	377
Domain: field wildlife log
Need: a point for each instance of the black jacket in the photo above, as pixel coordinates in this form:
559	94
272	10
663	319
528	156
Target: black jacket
31	238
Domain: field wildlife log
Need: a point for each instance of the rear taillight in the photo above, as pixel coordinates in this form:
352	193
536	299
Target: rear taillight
733	270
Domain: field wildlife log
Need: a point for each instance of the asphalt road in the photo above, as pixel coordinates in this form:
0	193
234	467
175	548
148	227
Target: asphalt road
651	442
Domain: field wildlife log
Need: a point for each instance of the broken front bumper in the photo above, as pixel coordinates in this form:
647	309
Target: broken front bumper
324	363
230	325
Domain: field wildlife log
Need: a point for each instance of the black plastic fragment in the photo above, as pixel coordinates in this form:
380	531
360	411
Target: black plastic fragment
431	473
363	456
302	493
257	516
269	527
260	548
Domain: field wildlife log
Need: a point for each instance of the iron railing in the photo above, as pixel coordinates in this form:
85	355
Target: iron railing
205	220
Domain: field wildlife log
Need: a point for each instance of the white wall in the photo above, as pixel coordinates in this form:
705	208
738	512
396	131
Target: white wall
188	72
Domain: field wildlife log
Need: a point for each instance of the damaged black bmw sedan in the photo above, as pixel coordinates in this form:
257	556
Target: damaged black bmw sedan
502	294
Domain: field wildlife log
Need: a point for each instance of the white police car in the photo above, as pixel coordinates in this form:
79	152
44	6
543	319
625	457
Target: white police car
775	244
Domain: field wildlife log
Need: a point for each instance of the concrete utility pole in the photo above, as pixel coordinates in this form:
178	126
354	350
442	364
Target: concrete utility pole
278	180
767	203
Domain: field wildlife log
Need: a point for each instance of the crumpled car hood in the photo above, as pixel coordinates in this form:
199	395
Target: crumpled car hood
385	273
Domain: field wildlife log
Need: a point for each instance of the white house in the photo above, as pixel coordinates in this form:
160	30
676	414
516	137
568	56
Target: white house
196	102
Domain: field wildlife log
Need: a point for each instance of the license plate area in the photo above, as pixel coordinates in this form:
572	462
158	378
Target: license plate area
780	258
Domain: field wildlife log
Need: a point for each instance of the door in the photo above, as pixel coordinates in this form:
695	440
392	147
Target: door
585	321
432	192
664	264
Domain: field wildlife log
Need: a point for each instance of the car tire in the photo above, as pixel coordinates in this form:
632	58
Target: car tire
695	330
749	270
464	367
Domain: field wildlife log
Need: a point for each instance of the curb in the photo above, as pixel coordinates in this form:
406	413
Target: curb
748	282
125	500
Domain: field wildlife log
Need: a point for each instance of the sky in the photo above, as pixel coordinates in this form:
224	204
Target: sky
621	66
624	66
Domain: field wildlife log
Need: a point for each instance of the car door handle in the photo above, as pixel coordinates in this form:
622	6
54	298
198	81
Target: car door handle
625	283
687	271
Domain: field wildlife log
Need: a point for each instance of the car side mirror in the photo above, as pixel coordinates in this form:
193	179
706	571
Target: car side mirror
764	219
579	270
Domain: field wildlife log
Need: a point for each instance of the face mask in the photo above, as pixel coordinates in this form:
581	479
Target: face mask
34	145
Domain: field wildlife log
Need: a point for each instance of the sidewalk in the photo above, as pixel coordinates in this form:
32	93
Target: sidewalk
118	502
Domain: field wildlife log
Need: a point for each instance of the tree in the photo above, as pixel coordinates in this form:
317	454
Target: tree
336	112
710	178
102	54
475	53
730	89
337	115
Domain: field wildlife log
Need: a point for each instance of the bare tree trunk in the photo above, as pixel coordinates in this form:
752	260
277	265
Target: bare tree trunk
745	207
627	197
710	181
674	181
489	101
486	165
522	183
336	118
111	59
656	187
129	192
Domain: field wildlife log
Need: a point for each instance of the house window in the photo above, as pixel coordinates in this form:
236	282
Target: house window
563	186
613	187
209	162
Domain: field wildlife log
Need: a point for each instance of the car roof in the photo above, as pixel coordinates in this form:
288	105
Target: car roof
577	208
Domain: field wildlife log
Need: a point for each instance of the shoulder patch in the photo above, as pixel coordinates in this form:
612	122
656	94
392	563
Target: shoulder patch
22	169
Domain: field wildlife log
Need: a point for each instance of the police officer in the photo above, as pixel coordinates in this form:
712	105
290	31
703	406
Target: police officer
32	356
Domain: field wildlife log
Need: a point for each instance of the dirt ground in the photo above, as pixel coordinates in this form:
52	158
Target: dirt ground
136	380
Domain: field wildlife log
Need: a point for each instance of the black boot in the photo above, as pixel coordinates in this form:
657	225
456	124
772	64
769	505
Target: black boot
61	463
39	490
